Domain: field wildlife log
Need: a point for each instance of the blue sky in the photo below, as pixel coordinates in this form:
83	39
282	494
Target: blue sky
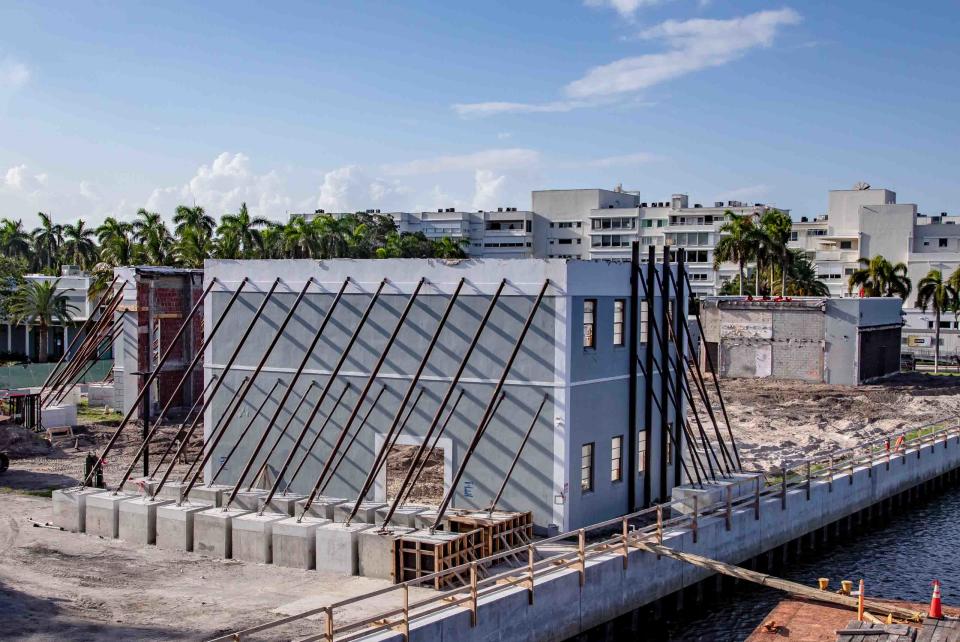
106	107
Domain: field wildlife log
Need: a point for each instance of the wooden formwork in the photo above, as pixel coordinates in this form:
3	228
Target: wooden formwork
501	530
421	553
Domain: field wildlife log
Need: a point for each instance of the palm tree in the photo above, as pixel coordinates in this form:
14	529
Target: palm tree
273	241
332	236
192	247
934	291
152	237
447	248
776	227
300	238
39	302
14	240
803	277
116	242
737	245
47	240
244	229
195	218
878	277
78	246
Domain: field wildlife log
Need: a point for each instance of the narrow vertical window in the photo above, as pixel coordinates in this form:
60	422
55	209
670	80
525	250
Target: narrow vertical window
586	467
619	306
670	446
641	451
616	459
643	321
589	323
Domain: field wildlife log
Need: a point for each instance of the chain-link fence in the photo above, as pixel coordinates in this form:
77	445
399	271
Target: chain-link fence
33	374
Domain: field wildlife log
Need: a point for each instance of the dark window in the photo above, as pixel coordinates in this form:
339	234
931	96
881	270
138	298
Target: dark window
586	467
846	245
942	242
589	323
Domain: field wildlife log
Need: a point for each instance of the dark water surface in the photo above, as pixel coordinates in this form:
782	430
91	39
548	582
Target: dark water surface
897	560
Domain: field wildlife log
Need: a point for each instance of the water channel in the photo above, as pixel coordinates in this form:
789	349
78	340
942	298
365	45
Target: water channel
897	559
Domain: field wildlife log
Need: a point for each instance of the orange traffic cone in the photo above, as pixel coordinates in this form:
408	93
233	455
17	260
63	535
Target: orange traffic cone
936	611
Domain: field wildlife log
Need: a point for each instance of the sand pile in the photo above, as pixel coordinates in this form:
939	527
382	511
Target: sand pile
791	420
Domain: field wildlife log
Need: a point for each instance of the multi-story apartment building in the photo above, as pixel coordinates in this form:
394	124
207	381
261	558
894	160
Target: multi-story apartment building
602	224
864	222
506	233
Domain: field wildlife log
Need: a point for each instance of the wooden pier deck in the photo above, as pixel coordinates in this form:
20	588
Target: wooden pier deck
804	621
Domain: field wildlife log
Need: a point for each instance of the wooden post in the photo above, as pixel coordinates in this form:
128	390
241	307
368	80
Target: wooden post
328	624
582	554
405	626
830	471
626	547
729	512
783	485
659	526
808	480
693	523
756	501
473	594
530	553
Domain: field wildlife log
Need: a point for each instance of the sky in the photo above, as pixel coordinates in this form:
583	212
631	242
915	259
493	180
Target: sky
107	107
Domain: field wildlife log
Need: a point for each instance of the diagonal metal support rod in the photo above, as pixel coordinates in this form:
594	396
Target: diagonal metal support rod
366	386
89	345
346	449
246	429
146	386
385	448
683	463
663	368
293	415
252	378
422	465
516	458
491	306
80	332
482	425
716	384
235	398
316	438
94	357
91	327
727	460
189	414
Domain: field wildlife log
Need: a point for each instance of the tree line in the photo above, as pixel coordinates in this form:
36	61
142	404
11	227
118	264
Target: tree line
196	235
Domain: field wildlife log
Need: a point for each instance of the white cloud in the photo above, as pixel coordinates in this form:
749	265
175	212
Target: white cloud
489	189
222	186
89	191
617	161
350	188
504	135
481	110
694	45
748	193
13	74
626	8
512	158
19	179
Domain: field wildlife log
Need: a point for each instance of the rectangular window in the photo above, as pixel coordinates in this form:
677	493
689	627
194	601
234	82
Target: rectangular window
589	323
942	242
643	322
586	467
846	245
619	308
641	450
616	459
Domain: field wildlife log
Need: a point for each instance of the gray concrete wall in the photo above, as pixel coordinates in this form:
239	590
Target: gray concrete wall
562	608
587	390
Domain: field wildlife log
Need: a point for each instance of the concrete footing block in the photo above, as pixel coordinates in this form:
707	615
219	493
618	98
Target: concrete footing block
213	531
338	548
175	526
426	518
170	490
103	513
295	542
404	516
247	499
253	537
367	513
70	508
284	504
141	486
376	552
322	506
211	495
138	519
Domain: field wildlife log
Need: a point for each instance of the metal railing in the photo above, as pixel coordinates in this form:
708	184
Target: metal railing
613	537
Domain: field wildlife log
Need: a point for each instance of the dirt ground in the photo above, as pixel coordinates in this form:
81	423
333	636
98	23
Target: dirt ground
56	585
779	419
429	486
